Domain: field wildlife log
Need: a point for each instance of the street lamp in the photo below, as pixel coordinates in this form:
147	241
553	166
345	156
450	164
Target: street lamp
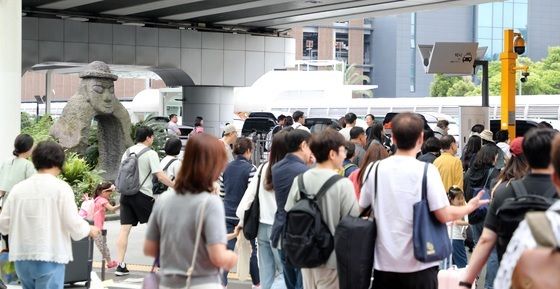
514	45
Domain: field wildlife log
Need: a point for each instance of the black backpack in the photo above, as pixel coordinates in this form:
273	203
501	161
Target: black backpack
513	211
307	241
157	186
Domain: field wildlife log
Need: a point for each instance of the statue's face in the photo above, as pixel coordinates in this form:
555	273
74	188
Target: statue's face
101	94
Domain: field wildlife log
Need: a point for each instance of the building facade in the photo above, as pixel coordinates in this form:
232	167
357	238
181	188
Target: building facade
390	56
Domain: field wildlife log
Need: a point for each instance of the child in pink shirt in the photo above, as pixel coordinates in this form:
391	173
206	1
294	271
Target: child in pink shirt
102	194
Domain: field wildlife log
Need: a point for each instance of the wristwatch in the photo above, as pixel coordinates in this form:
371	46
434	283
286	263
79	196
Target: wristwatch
465	284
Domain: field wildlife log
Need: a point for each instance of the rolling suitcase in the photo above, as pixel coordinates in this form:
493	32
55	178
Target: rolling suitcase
449	278
79	270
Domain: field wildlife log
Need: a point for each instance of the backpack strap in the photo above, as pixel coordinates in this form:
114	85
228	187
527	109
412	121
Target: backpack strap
519	189
541	229
490	171
138	156
302	191
348	165
324	188
142	151
327	185
168	164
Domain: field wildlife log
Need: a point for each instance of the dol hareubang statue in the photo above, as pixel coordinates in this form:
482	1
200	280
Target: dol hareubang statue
95	99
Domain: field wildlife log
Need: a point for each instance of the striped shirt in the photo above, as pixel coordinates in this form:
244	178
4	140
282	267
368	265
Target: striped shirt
234	181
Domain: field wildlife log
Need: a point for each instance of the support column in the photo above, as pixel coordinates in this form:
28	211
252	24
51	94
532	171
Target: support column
326	44
213	103
356	43
49	95
10	73
508	58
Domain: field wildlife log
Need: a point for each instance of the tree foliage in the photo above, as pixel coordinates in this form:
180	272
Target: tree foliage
544	78
354	77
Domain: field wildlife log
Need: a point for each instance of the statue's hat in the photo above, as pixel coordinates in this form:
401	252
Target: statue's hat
97	69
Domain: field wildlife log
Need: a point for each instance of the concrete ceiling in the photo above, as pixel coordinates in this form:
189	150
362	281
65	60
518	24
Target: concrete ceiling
249	15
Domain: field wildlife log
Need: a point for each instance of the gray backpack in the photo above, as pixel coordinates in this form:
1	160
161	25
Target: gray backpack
128	178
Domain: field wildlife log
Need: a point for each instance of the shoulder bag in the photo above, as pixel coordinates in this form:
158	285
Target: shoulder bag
152	280
251	217
429	235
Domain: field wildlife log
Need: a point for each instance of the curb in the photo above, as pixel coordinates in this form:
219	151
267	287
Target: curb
112	217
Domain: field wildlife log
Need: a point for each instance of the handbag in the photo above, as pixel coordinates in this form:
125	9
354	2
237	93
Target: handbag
152	280
429	235
354	245
251	217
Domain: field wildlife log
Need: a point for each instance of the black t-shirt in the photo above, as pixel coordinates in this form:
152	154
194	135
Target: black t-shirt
536	184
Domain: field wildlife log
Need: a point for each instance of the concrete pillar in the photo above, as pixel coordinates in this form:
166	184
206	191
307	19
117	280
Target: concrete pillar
10	74
356	43
213	103
297	34
326	44
49	95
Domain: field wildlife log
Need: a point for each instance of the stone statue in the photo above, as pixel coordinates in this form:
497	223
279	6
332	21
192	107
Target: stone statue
95	100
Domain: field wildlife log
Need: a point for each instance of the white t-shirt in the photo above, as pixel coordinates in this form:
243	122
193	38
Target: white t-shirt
173	128
345	132
298	125
400	187
173	168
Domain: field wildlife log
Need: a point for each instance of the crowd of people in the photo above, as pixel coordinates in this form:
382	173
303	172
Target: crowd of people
195	208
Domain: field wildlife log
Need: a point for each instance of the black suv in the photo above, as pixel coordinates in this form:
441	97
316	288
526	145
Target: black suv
258	125
521	126
319	124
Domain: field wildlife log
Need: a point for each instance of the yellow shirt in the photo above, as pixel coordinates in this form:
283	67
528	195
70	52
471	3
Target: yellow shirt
451	170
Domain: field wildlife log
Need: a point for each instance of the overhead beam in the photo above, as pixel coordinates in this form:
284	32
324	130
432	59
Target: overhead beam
307	11
375	11
67	4
224	9
148	7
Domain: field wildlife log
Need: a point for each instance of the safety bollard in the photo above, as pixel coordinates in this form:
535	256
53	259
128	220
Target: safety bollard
104	239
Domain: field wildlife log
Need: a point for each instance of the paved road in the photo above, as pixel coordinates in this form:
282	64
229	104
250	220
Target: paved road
139	264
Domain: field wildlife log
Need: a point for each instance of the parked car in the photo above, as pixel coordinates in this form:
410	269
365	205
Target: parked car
258	125
522	126
263	114
318	124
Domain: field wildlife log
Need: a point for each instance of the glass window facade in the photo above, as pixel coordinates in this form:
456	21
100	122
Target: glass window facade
310	44
493	18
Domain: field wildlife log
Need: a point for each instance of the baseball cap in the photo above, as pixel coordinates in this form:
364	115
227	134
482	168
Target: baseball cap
229	129
516	146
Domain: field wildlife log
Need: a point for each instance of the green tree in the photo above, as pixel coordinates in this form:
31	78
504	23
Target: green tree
461	88
354	77
442	83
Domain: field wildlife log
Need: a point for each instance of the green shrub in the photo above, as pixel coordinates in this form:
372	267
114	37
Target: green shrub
39	130
80	176
160	133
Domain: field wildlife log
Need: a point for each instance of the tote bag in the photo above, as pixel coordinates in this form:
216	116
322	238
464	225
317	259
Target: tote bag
429	235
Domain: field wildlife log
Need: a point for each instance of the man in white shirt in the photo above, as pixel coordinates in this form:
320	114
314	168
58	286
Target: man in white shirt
399	184
172	127
299	121
350	120
137	208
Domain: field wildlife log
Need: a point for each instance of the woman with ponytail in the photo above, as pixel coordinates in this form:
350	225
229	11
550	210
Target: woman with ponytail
17	168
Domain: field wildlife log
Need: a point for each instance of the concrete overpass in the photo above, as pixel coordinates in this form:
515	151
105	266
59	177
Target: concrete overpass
219	44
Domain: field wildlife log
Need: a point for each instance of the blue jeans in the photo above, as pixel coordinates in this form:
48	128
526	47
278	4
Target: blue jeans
40	274
253	263
492	264
269	260
292	275
459	254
